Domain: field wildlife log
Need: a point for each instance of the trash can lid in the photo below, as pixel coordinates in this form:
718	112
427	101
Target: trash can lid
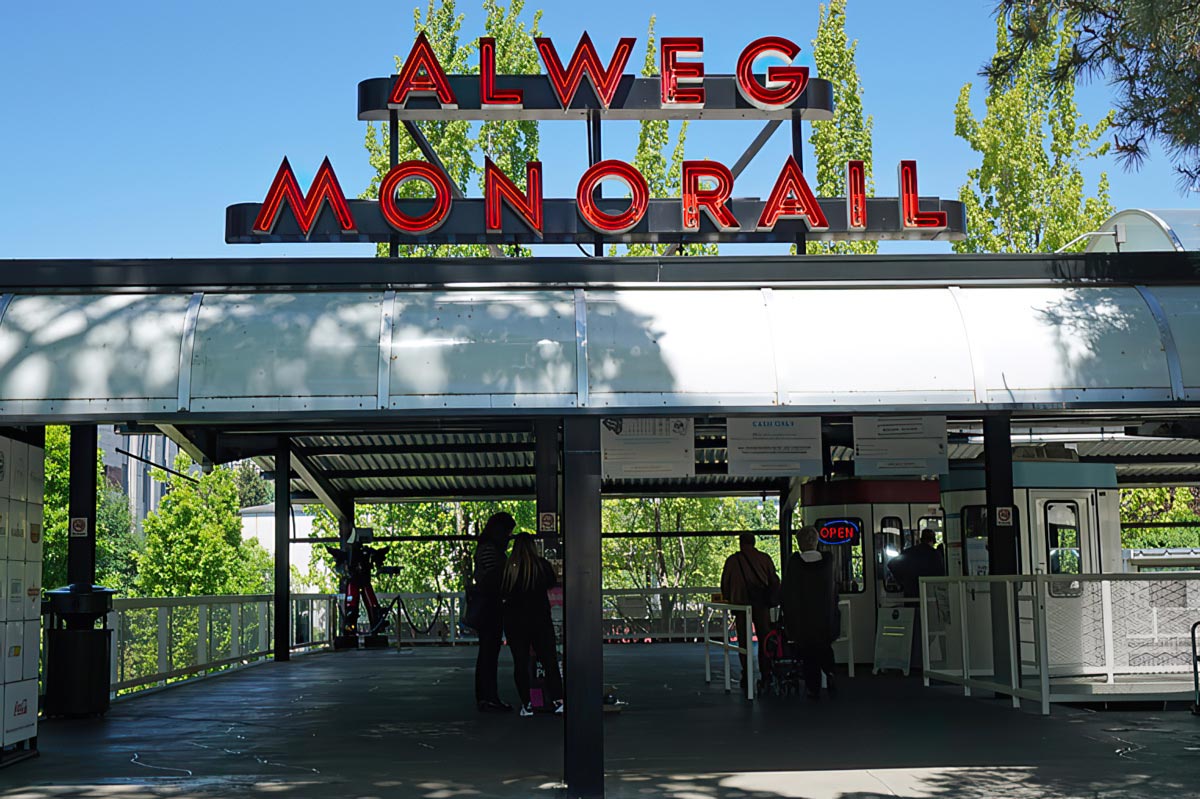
82	588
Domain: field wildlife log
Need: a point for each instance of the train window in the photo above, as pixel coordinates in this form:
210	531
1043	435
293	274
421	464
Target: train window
889	543
935	523
1062	537
841	540
974	537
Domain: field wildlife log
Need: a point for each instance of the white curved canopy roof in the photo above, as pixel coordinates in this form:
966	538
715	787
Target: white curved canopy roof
1175	230
637	350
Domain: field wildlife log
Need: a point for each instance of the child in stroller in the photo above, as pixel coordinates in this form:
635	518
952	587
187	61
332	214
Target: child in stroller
782	672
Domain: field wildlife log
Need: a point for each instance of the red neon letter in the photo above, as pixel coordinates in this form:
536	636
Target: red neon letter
489	95
415	170
612	223
911	215
675	74
784	84
498	187
304	207
856	196
711	200
584	60
422	59
792	199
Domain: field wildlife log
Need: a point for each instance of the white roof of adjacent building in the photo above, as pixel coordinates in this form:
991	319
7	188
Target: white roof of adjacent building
1176	230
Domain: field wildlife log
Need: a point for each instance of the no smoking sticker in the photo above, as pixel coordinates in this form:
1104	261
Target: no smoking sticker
1004	517
79	527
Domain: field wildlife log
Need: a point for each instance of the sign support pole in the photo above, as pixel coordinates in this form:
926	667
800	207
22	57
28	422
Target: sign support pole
583	746
595	156
798	153
393	159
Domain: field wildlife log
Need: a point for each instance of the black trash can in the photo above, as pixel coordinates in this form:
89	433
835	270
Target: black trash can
78	652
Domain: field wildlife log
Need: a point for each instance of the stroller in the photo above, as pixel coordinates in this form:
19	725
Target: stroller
782	674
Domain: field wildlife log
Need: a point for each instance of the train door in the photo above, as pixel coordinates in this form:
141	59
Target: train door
1065	544
1064	535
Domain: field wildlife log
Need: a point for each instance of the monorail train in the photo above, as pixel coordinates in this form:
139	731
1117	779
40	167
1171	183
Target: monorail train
1067	515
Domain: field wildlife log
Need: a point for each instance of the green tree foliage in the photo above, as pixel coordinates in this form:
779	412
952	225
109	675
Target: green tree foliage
252	489
117	544
662	174
1155	505
663	560
847	136
194	542
511	144
1148	50
1028	194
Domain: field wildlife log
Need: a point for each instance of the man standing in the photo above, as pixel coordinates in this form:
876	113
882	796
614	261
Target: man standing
490	555
810	610
918	561
750	578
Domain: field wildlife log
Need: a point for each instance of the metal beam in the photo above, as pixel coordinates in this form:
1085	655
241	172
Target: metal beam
418	449
764	135
432	157
338	502
185	443
447	472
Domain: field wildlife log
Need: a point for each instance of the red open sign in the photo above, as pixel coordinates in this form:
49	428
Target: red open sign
838	531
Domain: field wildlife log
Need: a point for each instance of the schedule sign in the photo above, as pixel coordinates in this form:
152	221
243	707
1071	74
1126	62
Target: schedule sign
896	446
647	448
774	447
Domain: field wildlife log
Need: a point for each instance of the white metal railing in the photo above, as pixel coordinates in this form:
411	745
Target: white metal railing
726	611
159	640
1074	638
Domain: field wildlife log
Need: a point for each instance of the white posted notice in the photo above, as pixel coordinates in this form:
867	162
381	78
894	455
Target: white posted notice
774	447
897	446
647	447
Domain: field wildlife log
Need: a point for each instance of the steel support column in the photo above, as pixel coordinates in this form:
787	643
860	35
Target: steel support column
81	548
545	461
1003	555
283	535
583	750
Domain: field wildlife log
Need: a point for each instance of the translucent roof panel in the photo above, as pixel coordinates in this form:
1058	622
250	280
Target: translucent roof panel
1151	231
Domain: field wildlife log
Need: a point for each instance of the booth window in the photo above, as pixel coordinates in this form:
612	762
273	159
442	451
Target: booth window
1062	538
847	558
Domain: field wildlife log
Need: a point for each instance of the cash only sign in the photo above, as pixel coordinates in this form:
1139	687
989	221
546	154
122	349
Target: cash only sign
766	84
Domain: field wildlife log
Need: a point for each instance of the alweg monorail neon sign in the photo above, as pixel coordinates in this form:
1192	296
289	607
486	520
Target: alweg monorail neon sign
705	210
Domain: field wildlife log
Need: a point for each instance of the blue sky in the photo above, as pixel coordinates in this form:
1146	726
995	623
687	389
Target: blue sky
127	127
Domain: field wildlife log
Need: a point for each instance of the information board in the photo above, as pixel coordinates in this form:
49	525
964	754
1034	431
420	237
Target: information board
900	446
647	447
774	447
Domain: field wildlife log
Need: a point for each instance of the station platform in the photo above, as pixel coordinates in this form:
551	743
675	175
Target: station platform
403	724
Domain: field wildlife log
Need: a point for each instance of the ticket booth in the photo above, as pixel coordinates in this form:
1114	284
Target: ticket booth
888	517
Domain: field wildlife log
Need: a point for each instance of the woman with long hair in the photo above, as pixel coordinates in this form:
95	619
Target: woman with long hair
487	575
527	623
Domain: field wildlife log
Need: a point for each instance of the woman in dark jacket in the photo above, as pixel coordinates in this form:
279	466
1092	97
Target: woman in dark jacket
810	610
488	571
527	623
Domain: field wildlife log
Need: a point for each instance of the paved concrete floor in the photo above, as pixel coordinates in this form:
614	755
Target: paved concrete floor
388	724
